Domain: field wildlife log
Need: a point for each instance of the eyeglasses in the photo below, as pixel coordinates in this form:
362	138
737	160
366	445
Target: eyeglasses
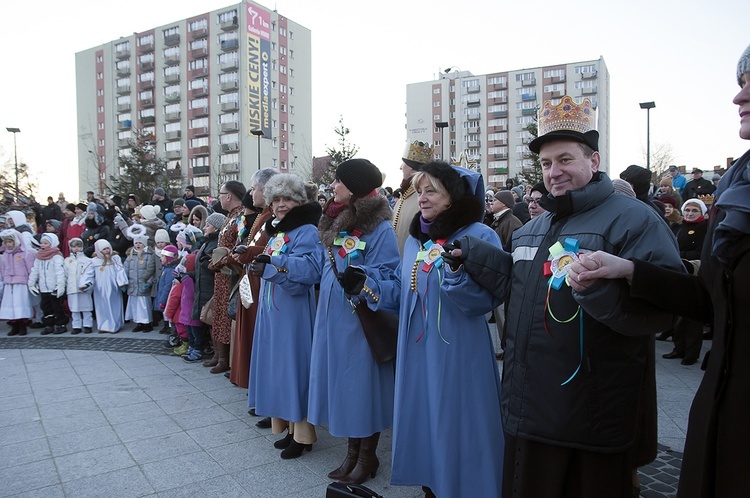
534	200
223	193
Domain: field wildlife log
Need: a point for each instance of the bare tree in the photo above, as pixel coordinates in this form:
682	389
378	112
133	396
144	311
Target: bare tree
662	156
345	151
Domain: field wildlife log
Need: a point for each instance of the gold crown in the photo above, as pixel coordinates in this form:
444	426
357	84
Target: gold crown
419	152
707	199
567	115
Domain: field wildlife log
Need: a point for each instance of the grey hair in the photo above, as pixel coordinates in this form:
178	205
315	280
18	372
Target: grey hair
261	177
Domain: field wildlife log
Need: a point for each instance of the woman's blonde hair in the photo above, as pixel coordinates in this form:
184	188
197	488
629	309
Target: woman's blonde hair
434	182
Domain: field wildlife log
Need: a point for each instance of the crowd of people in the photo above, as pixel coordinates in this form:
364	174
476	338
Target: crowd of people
579	271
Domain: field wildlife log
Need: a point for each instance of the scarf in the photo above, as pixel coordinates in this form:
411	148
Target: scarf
732	197
335	208
424	225
699	219
49	253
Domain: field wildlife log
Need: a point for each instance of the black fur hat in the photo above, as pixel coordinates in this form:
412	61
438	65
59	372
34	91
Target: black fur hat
449	177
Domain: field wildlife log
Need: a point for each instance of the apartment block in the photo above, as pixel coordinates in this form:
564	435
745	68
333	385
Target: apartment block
482	120
218	95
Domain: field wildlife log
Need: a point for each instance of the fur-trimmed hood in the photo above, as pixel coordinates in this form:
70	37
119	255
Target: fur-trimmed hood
371	211
305	214
461	213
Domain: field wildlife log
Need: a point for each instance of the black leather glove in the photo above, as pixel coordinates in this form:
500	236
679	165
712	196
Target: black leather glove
258	266
353	280
239	249
449	259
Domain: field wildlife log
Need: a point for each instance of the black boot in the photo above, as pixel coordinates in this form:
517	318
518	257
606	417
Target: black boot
283	443
60	329
264	423
352	452
295	450
428	492
87	330
674	354
664	335
13	329
367	461
75	331
21	328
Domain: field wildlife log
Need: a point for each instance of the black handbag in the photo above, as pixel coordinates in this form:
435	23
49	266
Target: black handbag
380	327
339	490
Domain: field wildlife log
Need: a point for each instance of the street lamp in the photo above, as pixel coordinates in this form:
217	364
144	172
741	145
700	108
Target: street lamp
258	133
15	153
442	125
648	106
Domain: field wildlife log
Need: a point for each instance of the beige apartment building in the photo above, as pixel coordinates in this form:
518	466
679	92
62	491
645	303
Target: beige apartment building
217	94
481	120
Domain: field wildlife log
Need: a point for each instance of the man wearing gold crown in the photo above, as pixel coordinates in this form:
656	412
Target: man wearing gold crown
579	392
415	156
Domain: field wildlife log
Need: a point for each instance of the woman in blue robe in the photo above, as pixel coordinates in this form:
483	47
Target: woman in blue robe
280	362
349	391
447	429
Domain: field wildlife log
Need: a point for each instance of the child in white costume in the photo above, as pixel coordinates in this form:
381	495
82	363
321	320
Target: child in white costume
80	302
108	277
47	279
15	265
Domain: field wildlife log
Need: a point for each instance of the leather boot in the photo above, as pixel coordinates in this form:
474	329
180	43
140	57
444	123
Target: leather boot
349	462
222	365
13	329
214	359
367	461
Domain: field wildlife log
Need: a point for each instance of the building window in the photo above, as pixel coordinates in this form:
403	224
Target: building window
146	40
198	25
591	68
229	16
554	73
525	76
291	109
171	31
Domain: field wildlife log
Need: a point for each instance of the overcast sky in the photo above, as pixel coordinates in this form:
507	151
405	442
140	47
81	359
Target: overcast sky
681	54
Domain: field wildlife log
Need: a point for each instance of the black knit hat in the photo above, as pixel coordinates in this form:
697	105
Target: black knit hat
639	177
449	177
360	176
82	206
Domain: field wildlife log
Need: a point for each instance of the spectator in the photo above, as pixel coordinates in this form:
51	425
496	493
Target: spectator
96	230
140	267
503	220
69	214
678	181
716	179
538	191
520	208
698	186
62	202
415	156
50	212
190	195
161	199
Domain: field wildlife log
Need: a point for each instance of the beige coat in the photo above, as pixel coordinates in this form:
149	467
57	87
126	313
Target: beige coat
403	212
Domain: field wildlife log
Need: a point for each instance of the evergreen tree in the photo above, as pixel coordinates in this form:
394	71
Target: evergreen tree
531	175
344	152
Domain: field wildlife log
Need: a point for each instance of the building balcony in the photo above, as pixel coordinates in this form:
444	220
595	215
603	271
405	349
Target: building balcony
556	94
174	174
500	114
499	100
473	103
528	96
588	76
229	25
145	85
148	120
172	59
124	125
501	141
501	171
201	131
527	140
172	116
173	135
232	167
172	40
199	52
201	170
474	117
123	143
146	48
230	65
123	71
122	90
199	92
123	54
123	107
229	86
528	112
232	147
172	78
528	82
499	128
474	144
473	130
198	112
146	102
199	33
588	91
203	150
558	79
500	86
147	65
528	169
198	72
231	126
229	106
227	45
173	154
473	89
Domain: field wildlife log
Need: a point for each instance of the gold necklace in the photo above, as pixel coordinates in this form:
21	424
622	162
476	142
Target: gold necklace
407	193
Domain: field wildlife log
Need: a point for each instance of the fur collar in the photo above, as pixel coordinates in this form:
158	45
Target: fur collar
461	213
371	211
306	214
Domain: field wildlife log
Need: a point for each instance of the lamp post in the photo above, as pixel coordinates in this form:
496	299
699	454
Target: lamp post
441	125
258	133
648	106
15	153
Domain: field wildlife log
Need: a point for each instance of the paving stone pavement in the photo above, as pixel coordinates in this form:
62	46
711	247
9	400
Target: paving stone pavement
119	415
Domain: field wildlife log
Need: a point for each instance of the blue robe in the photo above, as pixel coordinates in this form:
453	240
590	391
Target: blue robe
280	361
447	430
349	391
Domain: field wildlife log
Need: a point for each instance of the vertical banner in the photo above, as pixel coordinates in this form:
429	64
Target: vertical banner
258	69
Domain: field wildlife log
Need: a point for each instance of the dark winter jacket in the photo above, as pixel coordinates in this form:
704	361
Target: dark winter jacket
91	235
203	276
696	188
576	363
690	238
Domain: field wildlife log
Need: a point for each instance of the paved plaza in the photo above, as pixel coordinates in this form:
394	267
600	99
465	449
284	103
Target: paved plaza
118	415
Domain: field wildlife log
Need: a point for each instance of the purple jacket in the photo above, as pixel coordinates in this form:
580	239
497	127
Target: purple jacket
16	265
186	303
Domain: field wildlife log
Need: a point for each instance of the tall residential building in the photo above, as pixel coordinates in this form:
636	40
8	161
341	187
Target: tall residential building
486	116
203	89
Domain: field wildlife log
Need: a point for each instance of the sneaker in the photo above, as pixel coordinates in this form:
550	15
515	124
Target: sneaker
75	331
181	349
189	351
194	357
60	329
48	330
174	341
